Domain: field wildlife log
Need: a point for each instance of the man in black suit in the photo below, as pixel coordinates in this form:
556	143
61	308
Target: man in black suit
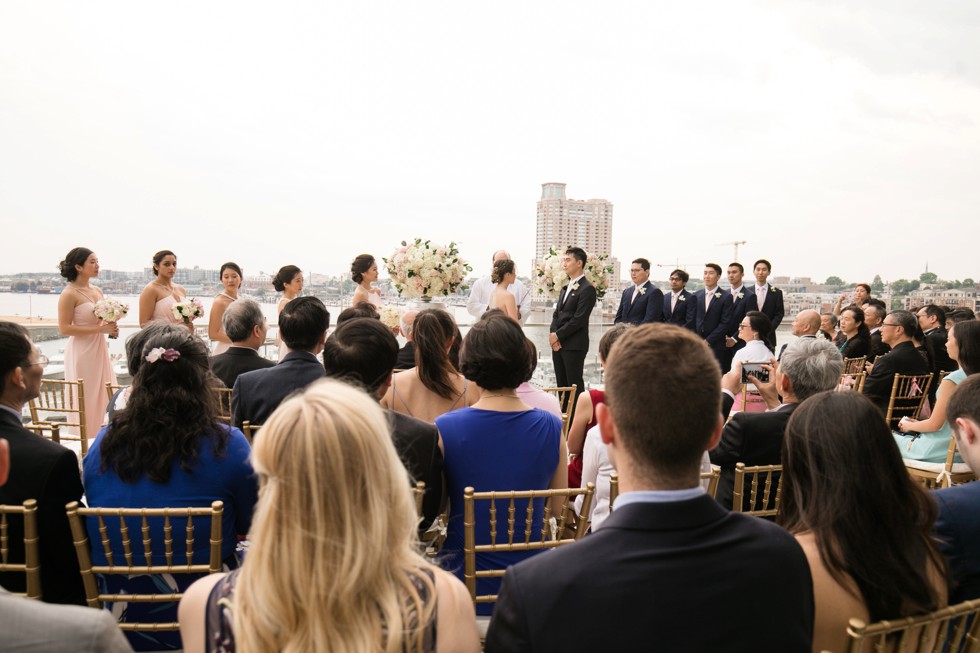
768	298
958	524
713	313
246	327
808	366
874	315
668	549
932	319
363	350
303	325
41	470
642	302
569	330
742	300
679	308
896	331
406	355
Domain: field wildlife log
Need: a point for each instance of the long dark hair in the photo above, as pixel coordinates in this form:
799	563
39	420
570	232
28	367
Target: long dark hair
76	256
171	409
844	481
968	342
862	331
432	333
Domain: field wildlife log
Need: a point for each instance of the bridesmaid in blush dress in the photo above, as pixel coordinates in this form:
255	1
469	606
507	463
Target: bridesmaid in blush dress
159	296
87	353
363	271
231	279
288	281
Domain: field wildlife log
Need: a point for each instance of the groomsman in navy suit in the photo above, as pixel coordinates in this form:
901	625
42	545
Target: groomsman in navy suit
714	312
768	298
679	306
642	302
742	300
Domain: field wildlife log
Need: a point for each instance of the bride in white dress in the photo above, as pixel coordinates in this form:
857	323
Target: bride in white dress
364	271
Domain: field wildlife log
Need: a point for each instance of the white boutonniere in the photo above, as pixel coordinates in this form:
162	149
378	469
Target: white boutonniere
717	295
643	290
681	298
775	289
572	288
741	295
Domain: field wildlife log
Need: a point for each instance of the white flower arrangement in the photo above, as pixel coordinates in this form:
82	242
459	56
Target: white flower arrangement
391	317
422	269
110	310
188	310
549	278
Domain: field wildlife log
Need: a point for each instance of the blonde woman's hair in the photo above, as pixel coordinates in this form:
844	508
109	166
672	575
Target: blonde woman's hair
333	540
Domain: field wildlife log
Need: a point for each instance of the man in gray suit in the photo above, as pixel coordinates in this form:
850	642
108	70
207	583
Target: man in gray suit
29	625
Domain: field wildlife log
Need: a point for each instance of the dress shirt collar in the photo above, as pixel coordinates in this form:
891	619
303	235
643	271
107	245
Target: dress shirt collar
676	294
710	291
876	329
736	291
658	496
572	282
925	333
17	413
759	288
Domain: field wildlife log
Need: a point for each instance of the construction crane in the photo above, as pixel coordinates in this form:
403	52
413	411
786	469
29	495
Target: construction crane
736	243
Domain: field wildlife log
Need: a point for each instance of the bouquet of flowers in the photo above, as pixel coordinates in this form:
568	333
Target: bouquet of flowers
110	310
549	278
391	317
421	269
188	310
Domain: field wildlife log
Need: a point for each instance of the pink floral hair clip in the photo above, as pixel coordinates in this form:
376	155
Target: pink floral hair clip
168	355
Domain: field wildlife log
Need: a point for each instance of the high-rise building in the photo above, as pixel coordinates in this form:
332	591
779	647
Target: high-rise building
583	223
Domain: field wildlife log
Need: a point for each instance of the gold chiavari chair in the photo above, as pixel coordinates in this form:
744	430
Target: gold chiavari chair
223	397
908	394
852	382
764	503
419	492
712	477
566	401
111	389
854	365
939	475
47	430
249	430
31	567
62	398
126	562
955	628
613	489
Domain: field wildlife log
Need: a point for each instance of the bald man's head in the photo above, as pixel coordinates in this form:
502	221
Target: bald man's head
807	323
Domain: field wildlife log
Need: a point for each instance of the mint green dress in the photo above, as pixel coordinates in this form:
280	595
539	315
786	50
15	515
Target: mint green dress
930	447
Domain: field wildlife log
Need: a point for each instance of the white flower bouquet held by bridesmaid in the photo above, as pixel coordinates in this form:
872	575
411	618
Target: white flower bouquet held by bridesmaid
549	278
188	310
391	317
110	310
422	269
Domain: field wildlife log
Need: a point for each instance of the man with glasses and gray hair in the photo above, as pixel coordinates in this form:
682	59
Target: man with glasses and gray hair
896	332
245	325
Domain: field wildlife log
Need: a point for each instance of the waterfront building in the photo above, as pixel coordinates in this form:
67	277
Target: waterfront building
968	297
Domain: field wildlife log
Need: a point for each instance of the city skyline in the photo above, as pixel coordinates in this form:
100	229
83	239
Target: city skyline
835	138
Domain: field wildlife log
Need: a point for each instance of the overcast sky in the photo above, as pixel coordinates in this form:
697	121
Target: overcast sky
836	137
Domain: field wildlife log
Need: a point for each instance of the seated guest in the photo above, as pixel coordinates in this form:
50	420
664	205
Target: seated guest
903	358
535	397
806	325
874	315
960	314
856	335
828	327
134	358
363	350
932	320
679	308
500	443
33	626
361	309
42	470
433	386
167	450
958	525
808	367
584	415
246	327
755	330
664	532
303	325
928	439
863	566
332	566
406	355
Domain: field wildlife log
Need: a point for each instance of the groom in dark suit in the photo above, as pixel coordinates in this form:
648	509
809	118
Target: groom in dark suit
669	549
569	337
642	302
713	313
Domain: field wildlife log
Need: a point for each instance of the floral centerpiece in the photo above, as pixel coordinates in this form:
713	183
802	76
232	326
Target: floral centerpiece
549	278
424	270
188	310
110	310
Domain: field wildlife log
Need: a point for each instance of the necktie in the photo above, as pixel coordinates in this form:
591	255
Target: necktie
636	293
707	300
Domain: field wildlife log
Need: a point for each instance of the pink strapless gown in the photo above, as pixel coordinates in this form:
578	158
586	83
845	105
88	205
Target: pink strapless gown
163	310
87	358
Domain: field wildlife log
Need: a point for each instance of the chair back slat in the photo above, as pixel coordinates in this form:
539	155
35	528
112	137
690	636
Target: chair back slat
111	389
64	402
31	567
249	430
419	493
223	398
712	478
47	430
953	628
551	537
759	503
613	489
76	515
854	365
566	402
908	394
852	382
